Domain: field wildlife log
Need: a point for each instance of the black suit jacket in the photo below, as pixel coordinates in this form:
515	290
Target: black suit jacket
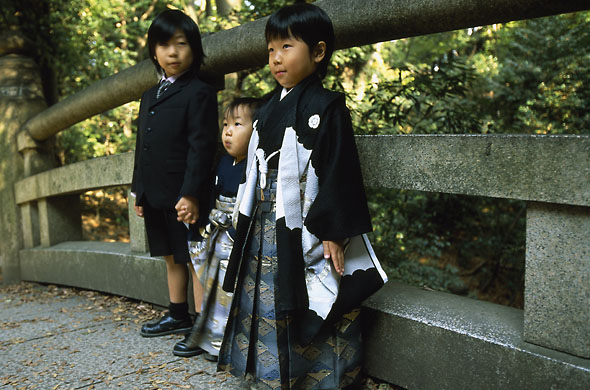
176	140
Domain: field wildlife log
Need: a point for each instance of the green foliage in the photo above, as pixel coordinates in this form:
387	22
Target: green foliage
422	99
543	80
442	240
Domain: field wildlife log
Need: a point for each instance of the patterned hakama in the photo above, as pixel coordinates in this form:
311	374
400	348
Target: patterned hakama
210	257
262	343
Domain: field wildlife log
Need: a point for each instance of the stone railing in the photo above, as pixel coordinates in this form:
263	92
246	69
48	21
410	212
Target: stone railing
415	338
465	344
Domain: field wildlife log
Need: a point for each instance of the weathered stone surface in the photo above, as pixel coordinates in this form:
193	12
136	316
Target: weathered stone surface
426	340
557	278
30	225
113	91
83	176
100	266
59	219
137	234
358	23
539	168
20	98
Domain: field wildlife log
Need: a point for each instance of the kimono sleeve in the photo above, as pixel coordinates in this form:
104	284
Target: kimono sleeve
340	208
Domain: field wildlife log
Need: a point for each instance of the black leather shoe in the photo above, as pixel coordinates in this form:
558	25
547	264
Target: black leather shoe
166	325
183	348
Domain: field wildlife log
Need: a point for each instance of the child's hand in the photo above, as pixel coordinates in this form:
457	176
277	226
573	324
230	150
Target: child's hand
138	211
335	250
187	209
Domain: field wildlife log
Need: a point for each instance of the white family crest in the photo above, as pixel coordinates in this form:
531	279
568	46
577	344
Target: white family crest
314	121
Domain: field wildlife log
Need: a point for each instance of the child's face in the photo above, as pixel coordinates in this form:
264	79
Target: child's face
291	61
237	129
174	56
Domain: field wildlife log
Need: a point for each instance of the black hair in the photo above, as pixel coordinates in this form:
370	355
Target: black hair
306	22
163	28
253	105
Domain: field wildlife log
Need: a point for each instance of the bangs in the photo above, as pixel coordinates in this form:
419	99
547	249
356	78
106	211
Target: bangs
162	32
231	111
280	28
305	22
292	22
247	103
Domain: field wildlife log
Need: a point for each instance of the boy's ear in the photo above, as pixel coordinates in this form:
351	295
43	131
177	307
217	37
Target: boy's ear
319	52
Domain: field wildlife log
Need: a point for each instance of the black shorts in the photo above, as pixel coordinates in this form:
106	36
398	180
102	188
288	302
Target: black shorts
166	236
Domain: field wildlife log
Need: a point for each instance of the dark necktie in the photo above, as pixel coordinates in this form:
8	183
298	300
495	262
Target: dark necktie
163	86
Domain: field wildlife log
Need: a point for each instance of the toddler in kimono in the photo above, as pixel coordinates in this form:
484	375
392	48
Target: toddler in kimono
210	255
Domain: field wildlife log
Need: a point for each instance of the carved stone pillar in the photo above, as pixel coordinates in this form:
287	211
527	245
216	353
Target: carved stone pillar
21	97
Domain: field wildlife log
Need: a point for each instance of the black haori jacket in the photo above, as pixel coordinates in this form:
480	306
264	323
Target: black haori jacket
320	196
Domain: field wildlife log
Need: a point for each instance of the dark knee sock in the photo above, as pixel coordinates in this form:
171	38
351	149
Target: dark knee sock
179	311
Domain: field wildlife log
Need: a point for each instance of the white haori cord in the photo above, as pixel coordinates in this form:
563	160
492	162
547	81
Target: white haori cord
263	165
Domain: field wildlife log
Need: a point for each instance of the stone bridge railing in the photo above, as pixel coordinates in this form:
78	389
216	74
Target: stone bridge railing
415	338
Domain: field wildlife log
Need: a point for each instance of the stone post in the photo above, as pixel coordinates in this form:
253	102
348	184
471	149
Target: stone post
557	277
21	97
137	234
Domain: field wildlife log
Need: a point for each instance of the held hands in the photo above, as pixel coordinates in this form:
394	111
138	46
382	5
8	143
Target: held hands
187	209
335	250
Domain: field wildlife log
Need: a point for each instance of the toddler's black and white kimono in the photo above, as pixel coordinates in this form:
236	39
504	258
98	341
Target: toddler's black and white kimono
294	321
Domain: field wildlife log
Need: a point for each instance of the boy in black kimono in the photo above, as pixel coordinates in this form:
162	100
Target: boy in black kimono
301	259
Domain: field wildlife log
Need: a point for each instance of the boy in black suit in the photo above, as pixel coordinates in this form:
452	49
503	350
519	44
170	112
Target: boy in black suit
173	156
